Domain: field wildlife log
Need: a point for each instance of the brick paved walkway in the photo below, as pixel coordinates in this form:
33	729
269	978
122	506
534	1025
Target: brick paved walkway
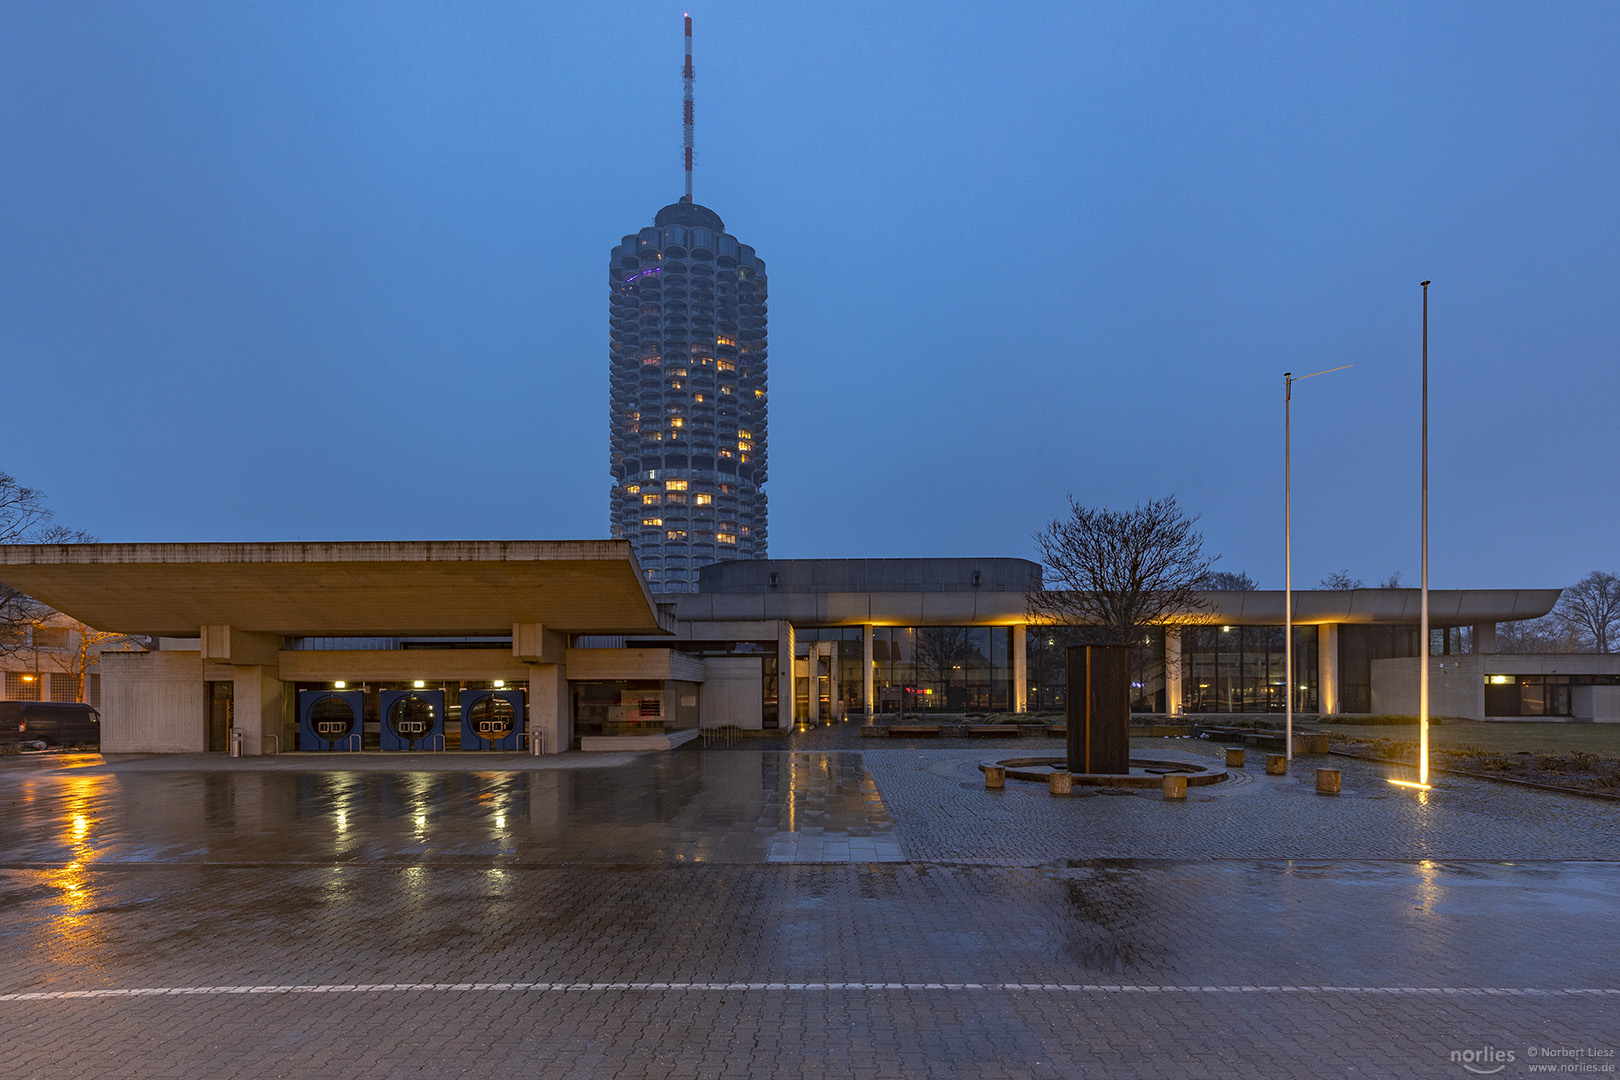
848	912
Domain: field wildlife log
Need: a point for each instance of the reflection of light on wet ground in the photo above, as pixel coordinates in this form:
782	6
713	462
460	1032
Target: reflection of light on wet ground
1428	885
79	815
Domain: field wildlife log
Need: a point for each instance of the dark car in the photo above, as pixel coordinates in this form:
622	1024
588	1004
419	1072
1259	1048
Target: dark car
55	723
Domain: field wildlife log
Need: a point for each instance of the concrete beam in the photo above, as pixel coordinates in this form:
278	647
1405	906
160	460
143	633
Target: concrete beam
228	645
400	665
532	643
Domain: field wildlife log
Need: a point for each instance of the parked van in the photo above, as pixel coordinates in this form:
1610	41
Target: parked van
55	723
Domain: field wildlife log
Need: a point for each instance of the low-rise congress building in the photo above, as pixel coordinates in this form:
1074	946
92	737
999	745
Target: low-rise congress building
547	646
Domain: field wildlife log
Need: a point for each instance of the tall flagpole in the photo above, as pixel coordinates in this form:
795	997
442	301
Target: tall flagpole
1288	564
1423	624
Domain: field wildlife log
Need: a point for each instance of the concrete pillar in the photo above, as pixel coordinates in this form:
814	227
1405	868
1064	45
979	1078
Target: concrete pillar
785	686
256	706
1020	668
1327	669
869	670
812	669
550	712
1484	637
1172	671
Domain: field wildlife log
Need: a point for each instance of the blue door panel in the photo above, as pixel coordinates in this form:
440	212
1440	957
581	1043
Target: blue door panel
492	719
412	719
331	719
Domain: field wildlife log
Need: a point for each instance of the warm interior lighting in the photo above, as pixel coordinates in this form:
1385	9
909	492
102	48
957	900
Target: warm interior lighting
500	684
1501	680
340	685
419	684
28	678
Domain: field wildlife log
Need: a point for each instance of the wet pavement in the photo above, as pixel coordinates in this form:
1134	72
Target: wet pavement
817	906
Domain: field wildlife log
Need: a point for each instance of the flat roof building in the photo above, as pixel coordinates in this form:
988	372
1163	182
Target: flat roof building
548	646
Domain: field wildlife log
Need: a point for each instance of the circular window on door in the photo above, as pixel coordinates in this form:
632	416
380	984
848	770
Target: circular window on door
493	718
411	718
332	718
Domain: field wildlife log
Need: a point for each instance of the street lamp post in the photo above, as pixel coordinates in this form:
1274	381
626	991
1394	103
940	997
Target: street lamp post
1288	552
1423	618
1423	610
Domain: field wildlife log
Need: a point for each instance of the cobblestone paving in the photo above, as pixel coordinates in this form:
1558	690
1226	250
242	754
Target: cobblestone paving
943	812
728	913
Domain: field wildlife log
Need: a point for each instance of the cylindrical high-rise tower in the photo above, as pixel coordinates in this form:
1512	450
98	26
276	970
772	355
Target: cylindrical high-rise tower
687	389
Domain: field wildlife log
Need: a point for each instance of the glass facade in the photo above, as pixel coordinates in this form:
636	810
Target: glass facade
944	669
633	707
1240	669
1359	646
1537	695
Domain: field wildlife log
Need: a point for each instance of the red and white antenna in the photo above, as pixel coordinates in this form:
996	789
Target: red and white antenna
686	78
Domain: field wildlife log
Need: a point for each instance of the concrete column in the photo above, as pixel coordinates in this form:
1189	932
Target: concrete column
1172	670
1020	666
256	706
1484	637
812	668
1327	668
786	689
550	712
868	669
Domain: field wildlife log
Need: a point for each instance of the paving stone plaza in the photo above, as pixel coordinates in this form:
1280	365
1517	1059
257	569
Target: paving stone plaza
799	906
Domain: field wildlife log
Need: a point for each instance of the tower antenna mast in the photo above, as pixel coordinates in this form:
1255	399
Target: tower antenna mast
686	79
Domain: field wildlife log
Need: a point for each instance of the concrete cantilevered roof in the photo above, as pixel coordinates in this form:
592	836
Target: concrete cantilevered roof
399	588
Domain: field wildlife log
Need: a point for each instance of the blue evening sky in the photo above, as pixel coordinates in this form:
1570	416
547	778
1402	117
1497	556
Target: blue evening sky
339	271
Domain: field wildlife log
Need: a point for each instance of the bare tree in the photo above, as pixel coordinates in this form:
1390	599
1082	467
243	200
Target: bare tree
1590	610
1391	582
1227	581
1341	579
25	519
1548	634
1121	570
80	646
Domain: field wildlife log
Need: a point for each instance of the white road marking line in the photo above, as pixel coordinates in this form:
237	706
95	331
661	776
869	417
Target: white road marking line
533	987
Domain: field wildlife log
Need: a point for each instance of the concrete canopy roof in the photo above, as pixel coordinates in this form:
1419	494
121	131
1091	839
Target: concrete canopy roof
403	588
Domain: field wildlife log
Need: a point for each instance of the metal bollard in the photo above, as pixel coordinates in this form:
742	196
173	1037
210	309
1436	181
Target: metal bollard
1276	765
236	744
1234	757
536	742
1061	782
1175	787
1327	781
995	776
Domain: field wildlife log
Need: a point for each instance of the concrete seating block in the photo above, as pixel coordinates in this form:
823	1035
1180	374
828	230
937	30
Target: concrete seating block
1276	765
1234	757
1062	782
1327	781
1175	787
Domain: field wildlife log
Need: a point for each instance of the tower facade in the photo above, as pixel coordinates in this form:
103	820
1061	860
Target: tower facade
687	390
